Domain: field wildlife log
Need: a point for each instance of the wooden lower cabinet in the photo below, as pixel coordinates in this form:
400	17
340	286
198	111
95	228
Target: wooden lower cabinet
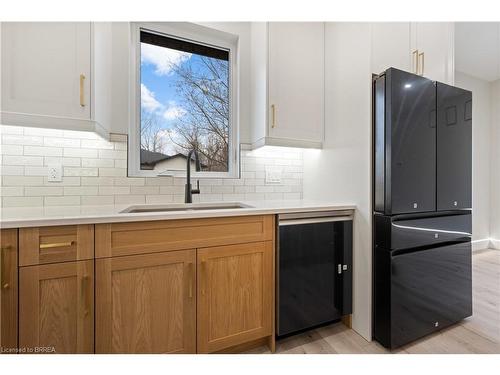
235	295
146	303
8	291
56	308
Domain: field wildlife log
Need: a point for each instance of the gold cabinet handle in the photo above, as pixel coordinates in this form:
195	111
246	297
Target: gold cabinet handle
191	276
3	250
85	298
56	244
204	272
421	58
273	110
415	60
82	90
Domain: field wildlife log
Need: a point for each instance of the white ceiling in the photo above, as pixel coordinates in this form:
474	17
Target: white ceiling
477	49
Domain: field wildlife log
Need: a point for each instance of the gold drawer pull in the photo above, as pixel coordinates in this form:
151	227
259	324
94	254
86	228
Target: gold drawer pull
82	88
56	244
191	277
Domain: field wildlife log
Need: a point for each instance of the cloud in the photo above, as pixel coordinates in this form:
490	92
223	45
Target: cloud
173	111
162	58
148	100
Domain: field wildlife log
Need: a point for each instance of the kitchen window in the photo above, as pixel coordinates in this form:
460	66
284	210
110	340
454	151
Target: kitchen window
185	99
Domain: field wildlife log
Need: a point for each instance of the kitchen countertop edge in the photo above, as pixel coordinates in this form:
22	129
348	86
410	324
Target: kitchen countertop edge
48	216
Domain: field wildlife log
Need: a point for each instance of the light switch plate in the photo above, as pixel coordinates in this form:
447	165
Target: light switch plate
273	175
54	173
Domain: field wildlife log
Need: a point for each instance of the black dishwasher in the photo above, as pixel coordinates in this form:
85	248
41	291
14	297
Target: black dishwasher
314	270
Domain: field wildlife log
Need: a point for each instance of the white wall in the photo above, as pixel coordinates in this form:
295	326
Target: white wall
481	124
342	170
495	165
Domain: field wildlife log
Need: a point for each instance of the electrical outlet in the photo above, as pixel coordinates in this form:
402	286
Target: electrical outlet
273	175
54	173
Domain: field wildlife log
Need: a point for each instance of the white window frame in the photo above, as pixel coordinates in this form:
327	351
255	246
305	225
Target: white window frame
196	34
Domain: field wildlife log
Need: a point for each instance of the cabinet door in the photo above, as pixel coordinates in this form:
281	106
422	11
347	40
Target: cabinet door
235	295
410	147
56	308
146	303
8	290
296	80
41	67
454	148
434	41
391	46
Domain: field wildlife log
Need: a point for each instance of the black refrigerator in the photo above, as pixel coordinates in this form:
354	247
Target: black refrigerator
422	184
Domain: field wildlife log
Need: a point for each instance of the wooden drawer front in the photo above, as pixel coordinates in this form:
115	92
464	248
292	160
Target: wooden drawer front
8	290
157	236
55	244
56	307
146	303
235	295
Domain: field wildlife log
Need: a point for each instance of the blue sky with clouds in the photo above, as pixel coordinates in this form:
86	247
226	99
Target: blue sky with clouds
158	85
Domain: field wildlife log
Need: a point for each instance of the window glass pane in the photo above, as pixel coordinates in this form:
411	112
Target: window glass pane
184	104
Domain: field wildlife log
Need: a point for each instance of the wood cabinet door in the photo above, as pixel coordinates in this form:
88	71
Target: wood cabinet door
8	291
235	295
296	80
41	66
56	308
146	303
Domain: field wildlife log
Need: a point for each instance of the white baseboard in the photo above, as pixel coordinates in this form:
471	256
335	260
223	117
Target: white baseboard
480	244
494	244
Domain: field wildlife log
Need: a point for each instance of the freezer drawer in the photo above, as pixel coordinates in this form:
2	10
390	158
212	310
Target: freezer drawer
420	292
393	232
314	283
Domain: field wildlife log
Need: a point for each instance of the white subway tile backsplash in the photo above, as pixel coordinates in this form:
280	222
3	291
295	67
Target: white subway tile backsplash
130	199
22	201
42	151
61	142
93	200
65	162
72	171
35	171
22	160
81	190
11	149
22	181
113	154
109	163
31	191
114	190
112	172
12	191
62	201
25	140
97	181
95	173
12	170
80	153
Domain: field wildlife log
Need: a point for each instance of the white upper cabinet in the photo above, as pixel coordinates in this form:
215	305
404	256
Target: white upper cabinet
288	84
391	46
418	47
42	65
49	72
433	43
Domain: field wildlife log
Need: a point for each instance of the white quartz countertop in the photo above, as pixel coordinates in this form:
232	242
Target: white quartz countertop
21	217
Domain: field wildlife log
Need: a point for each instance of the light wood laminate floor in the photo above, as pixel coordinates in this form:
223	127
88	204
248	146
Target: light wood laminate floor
477	334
